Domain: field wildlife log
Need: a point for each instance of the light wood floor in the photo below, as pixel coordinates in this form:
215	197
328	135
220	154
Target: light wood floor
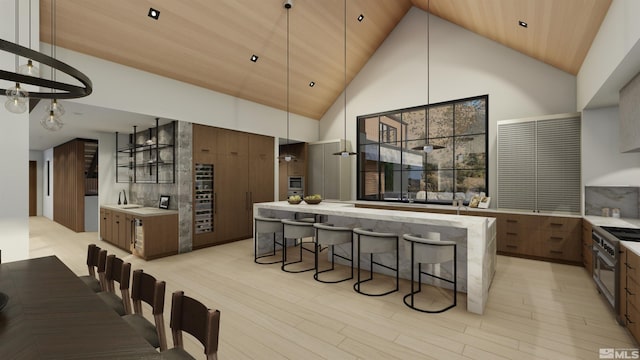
536	310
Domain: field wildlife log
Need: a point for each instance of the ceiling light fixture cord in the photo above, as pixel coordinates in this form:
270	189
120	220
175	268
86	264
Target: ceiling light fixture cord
344	151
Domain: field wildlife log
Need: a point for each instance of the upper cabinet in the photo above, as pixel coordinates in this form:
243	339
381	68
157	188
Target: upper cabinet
147	156
539	164
629	116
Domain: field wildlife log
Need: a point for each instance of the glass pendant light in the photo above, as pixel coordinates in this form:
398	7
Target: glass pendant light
17	99
288	4
56	107
29	69
51	122
427	148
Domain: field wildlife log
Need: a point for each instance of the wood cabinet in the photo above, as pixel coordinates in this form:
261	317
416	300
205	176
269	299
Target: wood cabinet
155	236
105	224
243	174
551	238
587	245
116	228
629	291
158	231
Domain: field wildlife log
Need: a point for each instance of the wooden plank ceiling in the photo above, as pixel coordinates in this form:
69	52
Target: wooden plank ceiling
209	42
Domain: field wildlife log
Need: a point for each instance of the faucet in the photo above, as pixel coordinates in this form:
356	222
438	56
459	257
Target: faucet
122	192
460	204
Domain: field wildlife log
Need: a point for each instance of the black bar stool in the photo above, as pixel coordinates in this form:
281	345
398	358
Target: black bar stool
330	236
298	230
429	249
372	242
266	225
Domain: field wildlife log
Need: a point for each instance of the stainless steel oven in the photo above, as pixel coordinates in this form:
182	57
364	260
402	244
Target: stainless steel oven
295	185
605	261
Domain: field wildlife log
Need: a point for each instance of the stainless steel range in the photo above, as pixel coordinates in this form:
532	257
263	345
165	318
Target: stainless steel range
606	262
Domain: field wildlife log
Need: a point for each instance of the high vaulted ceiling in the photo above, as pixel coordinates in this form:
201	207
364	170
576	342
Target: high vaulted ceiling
209	42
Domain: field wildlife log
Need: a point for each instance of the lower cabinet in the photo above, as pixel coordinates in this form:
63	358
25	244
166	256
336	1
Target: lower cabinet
587	244
147	236
552	238
629	287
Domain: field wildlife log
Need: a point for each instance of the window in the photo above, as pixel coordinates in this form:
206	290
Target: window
389	168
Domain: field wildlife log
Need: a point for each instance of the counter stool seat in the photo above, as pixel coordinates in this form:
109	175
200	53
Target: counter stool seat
372	242
429	249
329	236
298	230
267	225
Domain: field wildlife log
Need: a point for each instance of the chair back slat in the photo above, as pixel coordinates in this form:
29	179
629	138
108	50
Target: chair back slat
193	317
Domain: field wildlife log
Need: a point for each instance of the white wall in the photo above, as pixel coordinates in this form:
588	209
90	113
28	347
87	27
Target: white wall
47	199
124	88
461	64
607	66
14	146
602	162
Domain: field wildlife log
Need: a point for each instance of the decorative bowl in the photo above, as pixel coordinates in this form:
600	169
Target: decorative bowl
312	201
294	202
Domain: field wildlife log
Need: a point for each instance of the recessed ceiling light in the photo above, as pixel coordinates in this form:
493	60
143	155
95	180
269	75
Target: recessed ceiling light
312	84
254	57
153	13
523	24
360	17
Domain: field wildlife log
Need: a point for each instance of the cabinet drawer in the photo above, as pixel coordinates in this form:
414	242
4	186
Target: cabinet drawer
633	320
633	263
560	223
515	222
560	245
632	292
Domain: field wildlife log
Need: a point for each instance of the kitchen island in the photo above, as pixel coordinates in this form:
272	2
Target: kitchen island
476	238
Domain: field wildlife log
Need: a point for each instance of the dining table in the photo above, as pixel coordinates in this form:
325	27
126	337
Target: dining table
52	314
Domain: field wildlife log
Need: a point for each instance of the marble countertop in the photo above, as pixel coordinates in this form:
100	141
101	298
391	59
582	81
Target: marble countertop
348	209
139	210
464	209
611	221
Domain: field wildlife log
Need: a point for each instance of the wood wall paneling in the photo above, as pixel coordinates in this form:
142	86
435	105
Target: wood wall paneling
68	185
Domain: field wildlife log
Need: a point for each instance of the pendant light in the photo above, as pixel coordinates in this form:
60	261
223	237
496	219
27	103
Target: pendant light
288	4
344	152
29	69
427	148
17	97
52	121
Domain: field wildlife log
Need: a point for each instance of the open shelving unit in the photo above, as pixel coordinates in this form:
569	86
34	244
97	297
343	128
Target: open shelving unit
148	156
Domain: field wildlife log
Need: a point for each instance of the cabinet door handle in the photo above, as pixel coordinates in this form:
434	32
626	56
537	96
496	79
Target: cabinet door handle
555	238
511	233
555	252
512	221
215	203
555	224
512	246
205	150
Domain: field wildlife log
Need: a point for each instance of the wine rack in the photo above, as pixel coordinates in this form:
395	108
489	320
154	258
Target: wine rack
204	198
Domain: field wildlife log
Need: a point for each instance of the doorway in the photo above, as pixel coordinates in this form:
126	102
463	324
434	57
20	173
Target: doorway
33	188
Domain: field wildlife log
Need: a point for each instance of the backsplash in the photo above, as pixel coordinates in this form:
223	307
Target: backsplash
625	198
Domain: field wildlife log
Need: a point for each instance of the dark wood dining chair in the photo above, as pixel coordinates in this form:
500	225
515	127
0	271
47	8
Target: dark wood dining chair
190	315
93	253
145	288
117	271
